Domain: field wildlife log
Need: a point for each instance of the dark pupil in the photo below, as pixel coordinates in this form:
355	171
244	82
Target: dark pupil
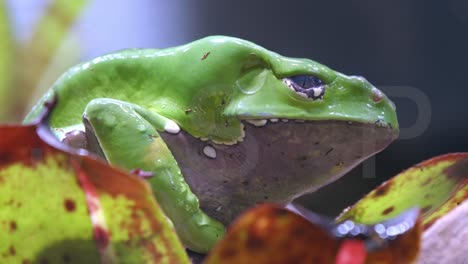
307	81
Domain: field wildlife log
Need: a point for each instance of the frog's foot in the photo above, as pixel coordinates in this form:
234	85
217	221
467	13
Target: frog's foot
127	135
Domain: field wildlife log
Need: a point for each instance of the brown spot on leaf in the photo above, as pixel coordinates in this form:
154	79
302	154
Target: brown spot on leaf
44	261
426	209
388	210
69	205
13	226
426	182
382	189
12	250
457	171
421	168
26	261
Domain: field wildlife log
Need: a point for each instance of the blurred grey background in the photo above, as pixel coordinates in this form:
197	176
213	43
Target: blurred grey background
416	43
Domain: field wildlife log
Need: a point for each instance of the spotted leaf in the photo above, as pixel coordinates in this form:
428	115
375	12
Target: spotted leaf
271	234
57	206
436	186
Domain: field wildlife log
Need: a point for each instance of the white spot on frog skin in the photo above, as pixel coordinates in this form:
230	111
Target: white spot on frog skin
284	120
171	127
317	92
303	94
257	122
209	151
274	120
242	132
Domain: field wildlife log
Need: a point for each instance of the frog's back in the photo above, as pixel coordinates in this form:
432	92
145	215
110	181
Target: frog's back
124	75
148	77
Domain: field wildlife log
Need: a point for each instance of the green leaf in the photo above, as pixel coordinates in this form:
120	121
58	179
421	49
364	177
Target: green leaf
57	206
436	186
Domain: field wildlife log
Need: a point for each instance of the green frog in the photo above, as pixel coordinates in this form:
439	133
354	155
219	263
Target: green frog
219	125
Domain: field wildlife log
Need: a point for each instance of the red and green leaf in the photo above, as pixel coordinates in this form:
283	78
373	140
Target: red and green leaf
436	186
60	207
271	234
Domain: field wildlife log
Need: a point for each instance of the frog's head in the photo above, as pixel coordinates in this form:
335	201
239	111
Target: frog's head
292	126
233	81
304	90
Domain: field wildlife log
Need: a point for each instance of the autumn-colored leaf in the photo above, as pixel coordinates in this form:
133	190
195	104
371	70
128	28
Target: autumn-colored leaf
436	186
57	206
271	234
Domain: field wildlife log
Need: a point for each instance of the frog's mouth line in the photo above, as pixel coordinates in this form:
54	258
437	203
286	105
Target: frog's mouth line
379	123
264	122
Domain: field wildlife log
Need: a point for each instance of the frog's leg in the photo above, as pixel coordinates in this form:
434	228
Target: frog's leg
127	135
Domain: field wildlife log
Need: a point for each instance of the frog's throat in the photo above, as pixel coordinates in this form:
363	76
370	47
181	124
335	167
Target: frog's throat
274	163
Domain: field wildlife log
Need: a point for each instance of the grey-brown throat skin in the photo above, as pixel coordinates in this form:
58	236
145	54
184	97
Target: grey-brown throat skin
275	163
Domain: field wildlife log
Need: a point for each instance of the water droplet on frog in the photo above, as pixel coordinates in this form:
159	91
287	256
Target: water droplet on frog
252	82
202	219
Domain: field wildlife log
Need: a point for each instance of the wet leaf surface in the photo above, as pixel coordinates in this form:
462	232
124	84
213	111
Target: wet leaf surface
436	186
271	234
61	207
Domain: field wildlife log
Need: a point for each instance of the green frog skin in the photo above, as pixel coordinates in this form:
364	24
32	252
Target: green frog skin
222	124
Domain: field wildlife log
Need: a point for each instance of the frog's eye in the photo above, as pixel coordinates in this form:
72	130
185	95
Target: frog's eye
307	86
